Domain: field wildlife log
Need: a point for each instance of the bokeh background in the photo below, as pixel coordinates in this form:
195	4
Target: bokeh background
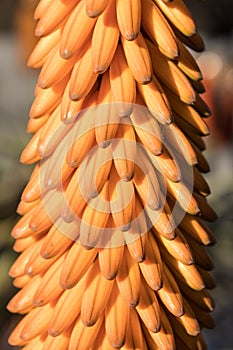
215	22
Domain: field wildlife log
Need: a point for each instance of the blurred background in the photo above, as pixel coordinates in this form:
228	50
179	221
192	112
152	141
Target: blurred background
215	23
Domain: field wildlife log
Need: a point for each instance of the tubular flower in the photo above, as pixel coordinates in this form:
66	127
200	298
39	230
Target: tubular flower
112	233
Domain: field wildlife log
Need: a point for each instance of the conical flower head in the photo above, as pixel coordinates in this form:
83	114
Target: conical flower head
112	233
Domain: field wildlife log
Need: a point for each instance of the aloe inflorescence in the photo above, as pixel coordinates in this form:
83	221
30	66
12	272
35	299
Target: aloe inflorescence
112	233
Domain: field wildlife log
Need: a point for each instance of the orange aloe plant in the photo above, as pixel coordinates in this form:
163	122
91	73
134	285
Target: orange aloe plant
112	233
